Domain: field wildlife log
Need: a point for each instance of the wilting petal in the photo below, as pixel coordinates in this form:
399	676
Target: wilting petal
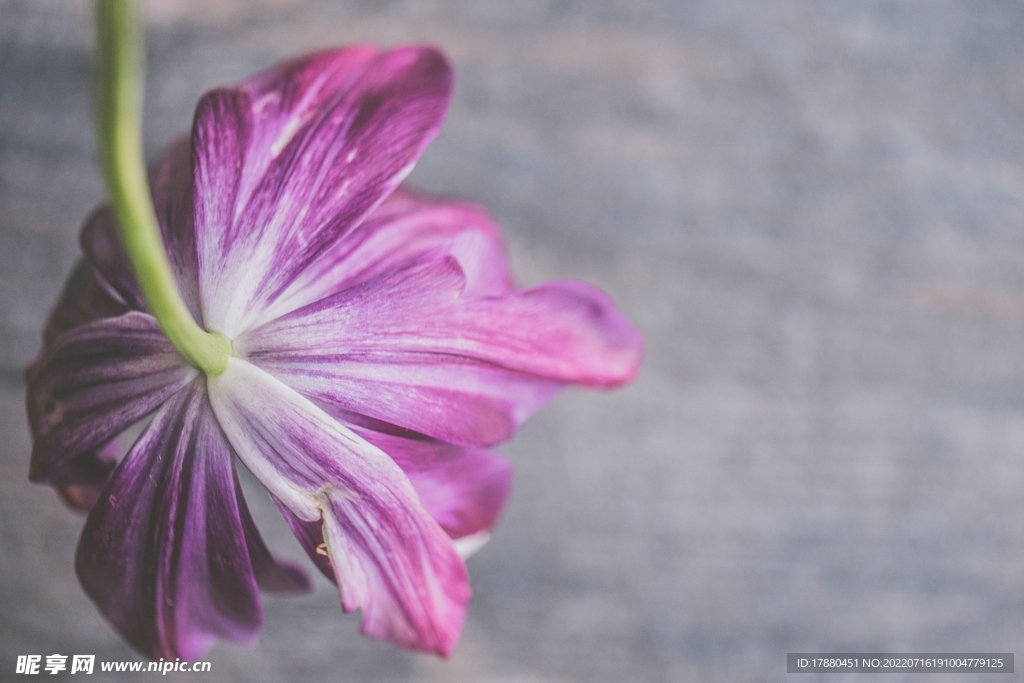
170	181
95	381
463	489
82	301
389	557
410	349
282	170
407	228
163	553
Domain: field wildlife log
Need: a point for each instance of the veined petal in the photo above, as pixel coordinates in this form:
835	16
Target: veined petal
170	181
388	556
409	227
410	348
463	489
284	167
379	560
163	552
269	110
95	381
448	398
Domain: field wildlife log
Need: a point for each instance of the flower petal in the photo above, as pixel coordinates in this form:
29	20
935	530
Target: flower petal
102	247
272	575
95	381
163	553
449	399
170	181
381	570
389	557
82	301
311	538
172	187
410	348
80	480
291	160
463	489
407	228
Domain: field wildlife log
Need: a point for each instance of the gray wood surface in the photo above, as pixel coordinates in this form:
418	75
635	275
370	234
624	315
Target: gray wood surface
813	210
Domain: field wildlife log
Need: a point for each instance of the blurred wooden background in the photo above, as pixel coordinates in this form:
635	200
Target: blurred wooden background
813	210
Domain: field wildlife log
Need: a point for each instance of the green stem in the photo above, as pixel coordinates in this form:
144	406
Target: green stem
119	50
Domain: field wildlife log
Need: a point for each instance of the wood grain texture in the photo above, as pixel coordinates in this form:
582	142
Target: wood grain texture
815	213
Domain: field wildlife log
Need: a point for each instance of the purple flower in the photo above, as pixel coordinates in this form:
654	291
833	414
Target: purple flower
379	348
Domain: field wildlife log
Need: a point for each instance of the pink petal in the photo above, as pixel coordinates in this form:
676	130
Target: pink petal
291	160
449	399
94	382
410	348
381	571
163	553
388	556
463	489
408	227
